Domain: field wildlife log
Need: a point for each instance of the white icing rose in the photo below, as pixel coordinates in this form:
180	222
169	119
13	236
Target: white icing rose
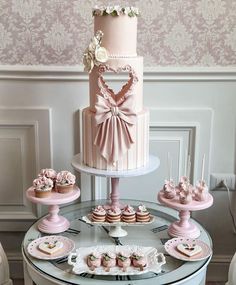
118	9
142	208
127	10
101	55
88	62
43	183
129	209
135	10
65	178
110	9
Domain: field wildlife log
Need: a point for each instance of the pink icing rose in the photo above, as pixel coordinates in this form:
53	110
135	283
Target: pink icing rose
48	172
115	211
129	209
100	209
65	178
43	183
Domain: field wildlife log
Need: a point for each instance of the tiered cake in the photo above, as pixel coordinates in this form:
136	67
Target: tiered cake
115	125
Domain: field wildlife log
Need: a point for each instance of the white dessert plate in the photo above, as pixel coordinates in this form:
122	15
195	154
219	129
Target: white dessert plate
172	244
78	260
68	246
88	220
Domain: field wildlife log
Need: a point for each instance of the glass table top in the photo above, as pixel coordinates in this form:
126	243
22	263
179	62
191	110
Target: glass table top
86	235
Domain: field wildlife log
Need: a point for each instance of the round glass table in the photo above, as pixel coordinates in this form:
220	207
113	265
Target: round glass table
85	235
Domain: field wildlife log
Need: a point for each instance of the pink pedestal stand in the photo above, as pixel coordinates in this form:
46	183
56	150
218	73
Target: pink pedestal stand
184	227
53	223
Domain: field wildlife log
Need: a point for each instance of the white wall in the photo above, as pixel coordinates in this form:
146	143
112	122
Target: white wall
39	125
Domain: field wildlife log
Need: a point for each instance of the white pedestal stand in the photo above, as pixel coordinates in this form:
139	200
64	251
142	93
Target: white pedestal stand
115	176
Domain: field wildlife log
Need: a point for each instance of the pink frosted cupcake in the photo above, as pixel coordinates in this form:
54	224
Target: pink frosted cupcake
49	173
65	181
113	215
42	187
123	260
94	260
109	260
99	214
139	260
128	215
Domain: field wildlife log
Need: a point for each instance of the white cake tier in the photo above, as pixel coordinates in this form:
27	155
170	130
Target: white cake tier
120	34
135	157
132	67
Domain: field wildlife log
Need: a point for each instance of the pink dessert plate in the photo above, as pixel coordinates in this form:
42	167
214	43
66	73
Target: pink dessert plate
171	248
68	246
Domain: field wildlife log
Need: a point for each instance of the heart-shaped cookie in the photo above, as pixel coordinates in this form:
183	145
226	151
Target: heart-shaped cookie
50	247
189	249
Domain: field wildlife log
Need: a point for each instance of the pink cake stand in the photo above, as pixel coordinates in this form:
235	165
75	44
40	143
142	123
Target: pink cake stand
53	223
184	227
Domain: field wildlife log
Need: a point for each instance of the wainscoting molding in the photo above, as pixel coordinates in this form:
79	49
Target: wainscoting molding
151	74
25	147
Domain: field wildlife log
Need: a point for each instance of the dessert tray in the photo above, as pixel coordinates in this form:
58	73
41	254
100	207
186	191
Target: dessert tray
78	260
115	230
175	245
67	246
88	220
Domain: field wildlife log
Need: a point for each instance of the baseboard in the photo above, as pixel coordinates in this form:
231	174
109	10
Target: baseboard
218	268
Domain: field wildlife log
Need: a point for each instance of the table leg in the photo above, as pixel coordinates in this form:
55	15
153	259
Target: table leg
27	279
183	227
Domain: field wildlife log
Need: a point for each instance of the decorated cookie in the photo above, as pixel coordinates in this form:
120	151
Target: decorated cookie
50	247
189	249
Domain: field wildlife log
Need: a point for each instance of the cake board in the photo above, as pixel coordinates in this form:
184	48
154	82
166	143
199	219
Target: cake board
53	223
115	175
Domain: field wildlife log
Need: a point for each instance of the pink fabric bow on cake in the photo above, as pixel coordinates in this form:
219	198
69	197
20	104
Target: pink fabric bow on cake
115	122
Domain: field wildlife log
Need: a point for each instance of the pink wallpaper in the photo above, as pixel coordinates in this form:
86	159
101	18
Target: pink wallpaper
171	32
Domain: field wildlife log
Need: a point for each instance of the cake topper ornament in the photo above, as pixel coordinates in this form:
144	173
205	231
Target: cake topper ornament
95	54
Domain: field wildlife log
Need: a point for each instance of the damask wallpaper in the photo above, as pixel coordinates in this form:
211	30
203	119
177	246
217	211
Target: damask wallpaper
171	32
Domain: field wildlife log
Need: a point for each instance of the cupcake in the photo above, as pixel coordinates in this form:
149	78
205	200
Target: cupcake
123	260
99	214
113	215
94	260
142	214
65	181
128	215
139	260
169	189
109	260
42	187
49	173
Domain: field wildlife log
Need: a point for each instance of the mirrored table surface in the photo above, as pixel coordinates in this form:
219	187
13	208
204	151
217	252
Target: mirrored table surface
85	235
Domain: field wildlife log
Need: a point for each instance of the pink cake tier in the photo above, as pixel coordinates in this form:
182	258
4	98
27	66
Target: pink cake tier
115	125
117	66
120	34
135	157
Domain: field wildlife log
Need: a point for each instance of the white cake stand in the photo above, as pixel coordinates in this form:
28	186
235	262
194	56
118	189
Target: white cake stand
115	175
